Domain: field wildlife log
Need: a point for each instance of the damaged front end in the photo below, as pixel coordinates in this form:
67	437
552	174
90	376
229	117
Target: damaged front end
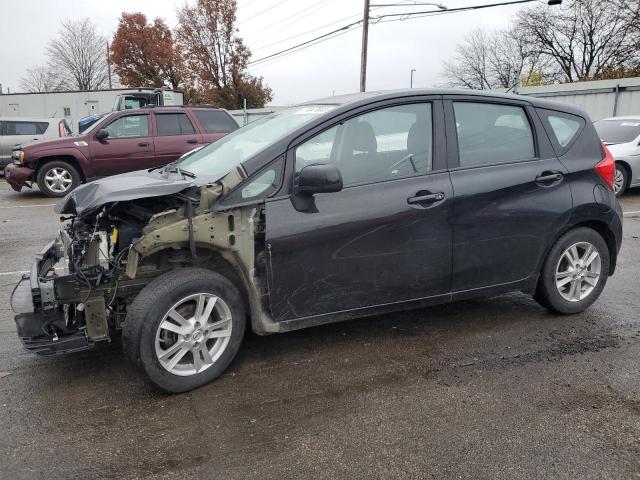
77	292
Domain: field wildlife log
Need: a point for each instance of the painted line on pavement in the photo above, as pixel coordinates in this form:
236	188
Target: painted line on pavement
29	206
637	212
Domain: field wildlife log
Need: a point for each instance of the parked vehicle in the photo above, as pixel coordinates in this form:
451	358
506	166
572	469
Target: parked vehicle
622	136
120	142
17	131
340	208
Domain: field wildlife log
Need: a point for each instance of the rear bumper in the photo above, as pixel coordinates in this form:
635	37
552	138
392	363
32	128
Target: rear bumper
34	302
18	176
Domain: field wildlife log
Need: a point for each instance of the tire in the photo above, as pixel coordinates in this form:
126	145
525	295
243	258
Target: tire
621	180
557	265
57	178
145	341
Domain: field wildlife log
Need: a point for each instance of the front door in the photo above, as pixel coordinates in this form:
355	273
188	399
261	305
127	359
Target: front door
128	147
386	237
510	191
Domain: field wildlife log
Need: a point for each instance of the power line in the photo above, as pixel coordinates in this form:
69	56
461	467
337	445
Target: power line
406	16
263	11
345	27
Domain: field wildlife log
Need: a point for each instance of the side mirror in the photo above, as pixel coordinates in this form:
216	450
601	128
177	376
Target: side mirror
102	134
320	178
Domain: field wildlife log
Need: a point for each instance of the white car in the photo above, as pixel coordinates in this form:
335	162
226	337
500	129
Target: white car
621	135
15	131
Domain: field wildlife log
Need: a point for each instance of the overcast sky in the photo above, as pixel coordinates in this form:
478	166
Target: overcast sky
332	66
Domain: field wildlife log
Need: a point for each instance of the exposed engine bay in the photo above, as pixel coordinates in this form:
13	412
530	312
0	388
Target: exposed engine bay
78	290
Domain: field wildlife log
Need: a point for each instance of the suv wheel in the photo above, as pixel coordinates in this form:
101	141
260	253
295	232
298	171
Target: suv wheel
620	180
574	273
57	178
184	329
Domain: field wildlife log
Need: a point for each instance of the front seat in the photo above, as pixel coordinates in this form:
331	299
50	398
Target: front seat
358	153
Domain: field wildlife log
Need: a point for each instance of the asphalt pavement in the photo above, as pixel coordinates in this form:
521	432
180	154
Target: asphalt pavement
486	389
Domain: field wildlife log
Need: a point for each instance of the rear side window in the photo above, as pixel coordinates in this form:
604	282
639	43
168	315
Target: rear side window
563	128
215	121
490	134
168	124
25	128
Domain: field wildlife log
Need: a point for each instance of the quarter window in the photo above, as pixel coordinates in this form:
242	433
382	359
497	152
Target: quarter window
215	121
129	126
564	128
168	124
490	134
381	145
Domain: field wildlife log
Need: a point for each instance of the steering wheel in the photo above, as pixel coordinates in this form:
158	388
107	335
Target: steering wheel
394	167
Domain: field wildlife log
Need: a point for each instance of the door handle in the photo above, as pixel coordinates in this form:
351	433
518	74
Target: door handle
192	141
549	177
143	144
426	198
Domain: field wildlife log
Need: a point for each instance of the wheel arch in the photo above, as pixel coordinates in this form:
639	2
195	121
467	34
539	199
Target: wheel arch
70	159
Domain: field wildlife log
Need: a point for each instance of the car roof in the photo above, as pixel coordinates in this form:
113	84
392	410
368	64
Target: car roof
170	108
30	119
364	97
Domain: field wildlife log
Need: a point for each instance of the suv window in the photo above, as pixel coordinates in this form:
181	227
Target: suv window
25	128
490	134
129	126
173	124
564	127
215	121
381	145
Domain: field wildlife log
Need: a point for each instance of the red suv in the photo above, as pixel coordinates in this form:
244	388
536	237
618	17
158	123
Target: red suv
120	142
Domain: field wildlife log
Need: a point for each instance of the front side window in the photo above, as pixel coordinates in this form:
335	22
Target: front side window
130	126
215	121
168	124
26	128
490	134
381	145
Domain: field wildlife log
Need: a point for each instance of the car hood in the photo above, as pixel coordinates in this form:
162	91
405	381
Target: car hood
64	142
118	188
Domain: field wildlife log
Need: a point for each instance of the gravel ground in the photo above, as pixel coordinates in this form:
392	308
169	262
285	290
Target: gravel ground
484	389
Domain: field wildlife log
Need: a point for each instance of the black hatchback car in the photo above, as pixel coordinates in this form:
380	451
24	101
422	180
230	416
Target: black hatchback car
326	211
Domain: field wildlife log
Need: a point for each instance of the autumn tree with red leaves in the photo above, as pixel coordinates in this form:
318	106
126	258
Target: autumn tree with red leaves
144	54
216	58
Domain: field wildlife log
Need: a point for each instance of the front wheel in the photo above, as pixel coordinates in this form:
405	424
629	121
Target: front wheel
184	329
57	178
574	273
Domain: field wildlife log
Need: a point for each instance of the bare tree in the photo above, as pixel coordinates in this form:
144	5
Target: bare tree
488	60
79	55
40	79
585	38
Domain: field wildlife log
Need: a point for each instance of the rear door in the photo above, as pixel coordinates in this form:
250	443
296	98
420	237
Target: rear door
128	147
511	194
175	135
20	133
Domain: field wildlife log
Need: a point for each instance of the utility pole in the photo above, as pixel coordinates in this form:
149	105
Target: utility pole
109	65
365	41
411	82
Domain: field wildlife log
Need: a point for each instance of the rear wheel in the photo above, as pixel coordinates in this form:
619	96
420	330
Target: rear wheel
620	179
57	178
184	329
574	273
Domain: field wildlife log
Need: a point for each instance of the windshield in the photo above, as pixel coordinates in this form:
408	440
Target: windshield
618	131
231	150
94	125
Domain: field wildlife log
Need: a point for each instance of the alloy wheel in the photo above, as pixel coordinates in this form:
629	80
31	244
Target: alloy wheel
618	181
578	271
193	334
58	180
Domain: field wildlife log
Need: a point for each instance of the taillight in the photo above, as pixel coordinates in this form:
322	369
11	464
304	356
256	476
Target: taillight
606	168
